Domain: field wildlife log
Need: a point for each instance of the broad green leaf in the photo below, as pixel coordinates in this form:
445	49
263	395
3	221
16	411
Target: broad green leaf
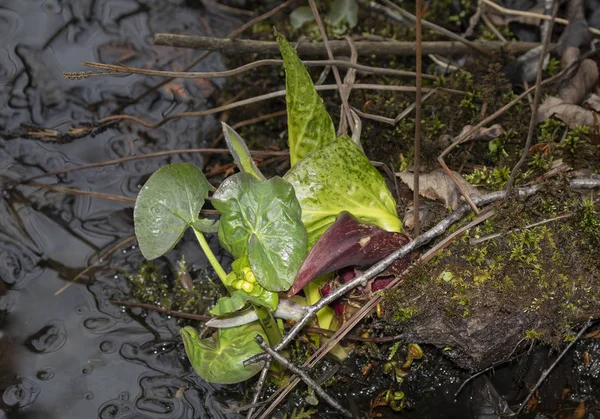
344	9
262	220
309	125
220	358
337	178
167	205
300	16
239	151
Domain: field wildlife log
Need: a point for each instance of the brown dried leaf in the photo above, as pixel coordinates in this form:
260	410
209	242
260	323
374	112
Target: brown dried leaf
438	185
580	84
593	102
572	115
482	133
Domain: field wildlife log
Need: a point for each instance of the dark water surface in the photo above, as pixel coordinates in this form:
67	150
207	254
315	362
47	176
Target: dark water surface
75	355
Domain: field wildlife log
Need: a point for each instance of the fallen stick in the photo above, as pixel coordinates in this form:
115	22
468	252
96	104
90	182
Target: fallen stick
229	46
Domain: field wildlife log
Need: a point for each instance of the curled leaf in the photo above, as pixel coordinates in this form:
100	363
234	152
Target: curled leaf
348	242
239	151
220	358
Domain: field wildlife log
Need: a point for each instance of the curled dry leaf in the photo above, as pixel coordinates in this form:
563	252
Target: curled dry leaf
482	133
580	84
439	186
572	115
593	102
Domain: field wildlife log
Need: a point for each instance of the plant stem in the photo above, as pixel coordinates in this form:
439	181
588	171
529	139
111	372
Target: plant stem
269	324
210	255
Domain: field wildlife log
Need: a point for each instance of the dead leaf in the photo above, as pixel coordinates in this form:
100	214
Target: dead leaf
593	102
439	186
569	56
572	115
580	84
483	133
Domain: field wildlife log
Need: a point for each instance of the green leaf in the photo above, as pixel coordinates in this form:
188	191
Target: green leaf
339	177
300	16
262	220
344	9
220	358
309	125
239	298
206	225
167	205
239	151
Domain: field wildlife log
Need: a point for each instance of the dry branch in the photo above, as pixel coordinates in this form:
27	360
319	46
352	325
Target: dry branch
364	48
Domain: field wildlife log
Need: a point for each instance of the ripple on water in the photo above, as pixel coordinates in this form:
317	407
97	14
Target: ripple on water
21	394
18	264
49	338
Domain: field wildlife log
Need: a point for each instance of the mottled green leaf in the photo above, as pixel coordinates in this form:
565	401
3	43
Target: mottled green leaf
309	125
220	358
167	205
262	220
337	178
239	151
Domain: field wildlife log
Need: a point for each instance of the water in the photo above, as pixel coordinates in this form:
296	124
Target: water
76	355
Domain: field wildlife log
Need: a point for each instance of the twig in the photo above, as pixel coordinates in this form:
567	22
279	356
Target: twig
233	34
256	99
229	9
473	45
336	73
199	317
473	242
466	135
123	69
536	100
437	230
408	110
417	146
149	156
554	364
349	80
317	49
492	28
532	14
305	377
72	191
101	259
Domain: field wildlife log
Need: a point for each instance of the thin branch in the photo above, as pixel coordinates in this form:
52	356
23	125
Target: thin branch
532	14
336	73
228	46
233	34
417	144
536	100
473	45
73	191
199	317
256	99
149	156
465	136
123	69
305	377
554	364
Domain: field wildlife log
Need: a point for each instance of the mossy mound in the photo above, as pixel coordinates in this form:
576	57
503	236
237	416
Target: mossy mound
478	300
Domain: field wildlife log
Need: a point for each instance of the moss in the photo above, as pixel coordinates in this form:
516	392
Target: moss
547	274
159	287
